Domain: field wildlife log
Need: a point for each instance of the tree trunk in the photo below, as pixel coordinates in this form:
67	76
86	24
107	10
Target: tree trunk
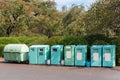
9	30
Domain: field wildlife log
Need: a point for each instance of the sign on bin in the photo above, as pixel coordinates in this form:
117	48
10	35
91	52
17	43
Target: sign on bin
68	54
96	55
107	57
80	55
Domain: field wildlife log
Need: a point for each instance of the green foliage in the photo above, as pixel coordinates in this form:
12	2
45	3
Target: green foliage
116	41
103	17
22	39
10	40
1	50
30	40
73	40
96	39
41	17
74	22
14	18
100	42
55	40
47	20
118	54
39	41
99	25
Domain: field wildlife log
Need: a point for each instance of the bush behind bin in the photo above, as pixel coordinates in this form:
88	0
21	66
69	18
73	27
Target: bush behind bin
65	40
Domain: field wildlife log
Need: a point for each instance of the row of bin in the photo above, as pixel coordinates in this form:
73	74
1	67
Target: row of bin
69	55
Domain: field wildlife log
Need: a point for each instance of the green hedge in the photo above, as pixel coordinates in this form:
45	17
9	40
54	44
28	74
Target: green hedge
30	40
116	41
96	39
6	40
1	50
73	40
41	40
22	39
55	40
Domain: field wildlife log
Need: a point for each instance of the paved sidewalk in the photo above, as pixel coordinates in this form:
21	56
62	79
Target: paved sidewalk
15	71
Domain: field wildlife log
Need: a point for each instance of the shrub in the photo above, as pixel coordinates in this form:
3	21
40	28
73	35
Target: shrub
100	42
116	41
30	40
1	50
22	39
10	40
91	39
54	40
42	40
73	40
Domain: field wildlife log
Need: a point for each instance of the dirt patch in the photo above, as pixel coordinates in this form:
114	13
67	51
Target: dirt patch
1	59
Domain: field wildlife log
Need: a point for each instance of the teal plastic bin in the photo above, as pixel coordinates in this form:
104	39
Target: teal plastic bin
16	52
39	54
80	55
56	54
96	55
109	55
88	63
69	55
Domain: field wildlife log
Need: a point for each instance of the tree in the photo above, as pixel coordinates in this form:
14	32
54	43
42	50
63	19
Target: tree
14	18
103	17
74	21
47	20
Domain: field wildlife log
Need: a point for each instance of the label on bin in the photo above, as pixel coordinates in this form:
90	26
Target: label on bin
68	54
68	47
79	56
107	57
95	57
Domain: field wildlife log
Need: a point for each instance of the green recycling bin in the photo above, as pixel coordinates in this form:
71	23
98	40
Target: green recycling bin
39	54
96	55
56	54
69	55
16	52
109	56
80	55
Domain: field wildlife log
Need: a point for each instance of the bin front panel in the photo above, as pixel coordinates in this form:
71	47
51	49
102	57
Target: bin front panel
55	55
22	57
109	56
69	55
10	56
96	53
80	55
42	55
33	55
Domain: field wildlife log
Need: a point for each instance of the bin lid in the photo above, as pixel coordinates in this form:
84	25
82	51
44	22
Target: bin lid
81	46
109	46
39	46
57	46
16	48
97	46
69	46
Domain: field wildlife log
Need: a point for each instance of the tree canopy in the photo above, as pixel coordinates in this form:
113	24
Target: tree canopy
30	18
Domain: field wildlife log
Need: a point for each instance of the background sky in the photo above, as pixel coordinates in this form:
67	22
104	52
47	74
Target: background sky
85	3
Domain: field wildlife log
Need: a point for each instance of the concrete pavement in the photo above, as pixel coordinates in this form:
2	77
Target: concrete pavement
14	71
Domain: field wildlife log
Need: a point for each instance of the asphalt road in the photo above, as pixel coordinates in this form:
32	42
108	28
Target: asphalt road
14	71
